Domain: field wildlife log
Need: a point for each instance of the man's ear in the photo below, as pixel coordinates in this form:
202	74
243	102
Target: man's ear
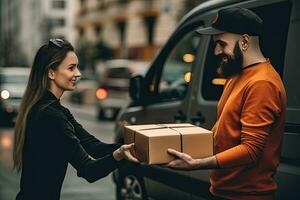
245	42
51	74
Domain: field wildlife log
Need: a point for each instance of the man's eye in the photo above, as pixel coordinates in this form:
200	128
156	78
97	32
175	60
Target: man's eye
222	44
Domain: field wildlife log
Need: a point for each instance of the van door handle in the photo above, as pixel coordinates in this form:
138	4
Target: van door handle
198	119
179	117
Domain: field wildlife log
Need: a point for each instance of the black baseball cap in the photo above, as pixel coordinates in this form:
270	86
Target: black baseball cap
235	20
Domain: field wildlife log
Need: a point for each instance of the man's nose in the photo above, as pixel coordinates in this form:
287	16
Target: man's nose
218	50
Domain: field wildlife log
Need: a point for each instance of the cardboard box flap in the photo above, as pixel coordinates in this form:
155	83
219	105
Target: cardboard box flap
192	130
155	133
156	126
177	125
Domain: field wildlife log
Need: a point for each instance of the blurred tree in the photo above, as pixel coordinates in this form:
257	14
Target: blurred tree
122	1
102	51
46	28
89	53
10	53
81	51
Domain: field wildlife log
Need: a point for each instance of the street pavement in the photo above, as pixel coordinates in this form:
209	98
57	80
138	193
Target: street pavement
74	188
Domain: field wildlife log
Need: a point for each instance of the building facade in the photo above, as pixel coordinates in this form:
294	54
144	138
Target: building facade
135	29
26	24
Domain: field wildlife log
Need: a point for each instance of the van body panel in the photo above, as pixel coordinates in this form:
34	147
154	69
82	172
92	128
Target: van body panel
282	46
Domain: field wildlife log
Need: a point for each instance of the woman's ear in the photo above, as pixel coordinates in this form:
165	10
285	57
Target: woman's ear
51	74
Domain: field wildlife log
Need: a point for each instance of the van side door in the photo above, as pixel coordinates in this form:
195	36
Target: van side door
169	82
288	175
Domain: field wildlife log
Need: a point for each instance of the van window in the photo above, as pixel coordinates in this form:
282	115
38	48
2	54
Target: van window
212	85
176	74
272	42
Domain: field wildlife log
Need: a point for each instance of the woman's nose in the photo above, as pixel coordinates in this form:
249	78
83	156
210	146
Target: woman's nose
77	73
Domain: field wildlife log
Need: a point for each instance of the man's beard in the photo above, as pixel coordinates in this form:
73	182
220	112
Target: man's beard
233	65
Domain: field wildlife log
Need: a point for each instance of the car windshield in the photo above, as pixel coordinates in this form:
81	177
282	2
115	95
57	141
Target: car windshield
13	79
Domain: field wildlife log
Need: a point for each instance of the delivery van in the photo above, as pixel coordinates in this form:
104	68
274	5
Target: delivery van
182	85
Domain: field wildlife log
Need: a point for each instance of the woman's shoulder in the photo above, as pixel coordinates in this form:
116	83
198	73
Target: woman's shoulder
48	111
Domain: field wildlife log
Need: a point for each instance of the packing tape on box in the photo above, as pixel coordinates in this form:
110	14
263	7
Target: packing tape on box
165	126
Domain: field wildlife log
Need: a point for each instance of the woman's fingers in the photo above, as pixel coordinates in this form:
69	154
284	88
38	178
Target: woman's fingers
127	149
130	157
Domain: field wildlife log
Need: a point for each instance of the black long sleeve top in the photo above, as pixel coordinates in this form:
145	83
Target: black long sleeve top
53	138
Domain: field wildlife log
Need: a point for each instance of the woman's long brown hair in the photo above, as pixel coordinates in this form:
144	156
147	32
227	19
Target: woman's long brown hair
49	56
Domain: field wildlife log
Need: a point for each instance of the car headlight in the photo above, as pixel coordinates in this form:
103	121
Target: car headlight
4	94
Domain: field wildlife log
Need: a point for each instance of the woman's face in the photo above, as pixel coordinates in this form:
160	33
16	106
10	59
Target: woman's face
67	74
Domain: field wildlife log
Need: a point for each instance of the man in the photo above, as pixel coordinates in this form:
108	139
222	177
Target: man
250	116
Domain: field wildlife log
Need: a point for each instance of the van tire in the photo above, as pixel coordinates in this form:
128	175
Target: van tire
130	186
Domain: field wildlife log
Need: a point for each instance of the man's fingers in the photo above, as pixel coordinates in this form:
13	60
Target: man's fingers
180	155
174	163
174	153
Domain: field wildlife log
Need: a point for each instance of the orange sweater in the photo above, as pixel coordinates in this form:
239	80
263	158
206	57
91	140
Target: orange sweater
248	134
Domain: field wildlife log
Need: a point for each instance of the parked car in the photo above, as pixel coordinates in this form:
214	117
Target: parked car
112	93
13	81
156	100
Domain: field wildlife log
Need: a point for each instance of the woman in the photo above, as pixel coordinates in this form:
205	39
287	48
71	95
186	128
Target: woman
47	137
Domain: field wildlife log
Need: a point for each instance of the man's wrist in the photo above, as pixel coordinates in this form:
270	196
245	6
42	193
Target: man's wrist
207	163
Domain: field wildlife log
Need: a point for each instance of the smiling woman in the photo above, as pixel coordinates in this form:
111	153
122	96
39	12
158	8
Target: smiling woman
66	76
47	137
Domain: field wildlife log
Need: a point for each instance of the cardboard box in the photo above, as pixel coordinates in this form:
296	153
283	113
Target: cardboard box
153	140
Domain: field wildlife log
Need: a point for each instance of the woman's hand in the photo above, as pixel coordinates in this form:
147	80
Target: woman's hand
125	151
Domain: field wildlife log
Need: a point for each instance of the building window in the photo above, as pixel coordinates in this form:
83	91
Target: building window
58	22
58	4
97	30
81	32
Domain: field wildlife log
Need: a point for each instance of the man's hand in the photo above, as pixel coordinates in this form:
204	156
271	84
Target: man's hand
125	151
182	161
186	162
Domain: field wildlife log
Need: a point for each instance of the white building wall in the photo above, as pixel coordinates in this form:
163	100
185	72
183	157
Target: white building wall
68	14
30	28
34	15
136	34
110	35
167	20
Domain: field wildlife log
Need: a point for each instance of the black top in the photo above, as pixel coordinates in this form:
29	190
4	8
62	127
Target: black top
53	139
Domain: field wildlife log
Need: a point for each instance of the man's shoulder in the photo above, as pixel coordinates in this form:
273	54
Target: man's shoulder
267	75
